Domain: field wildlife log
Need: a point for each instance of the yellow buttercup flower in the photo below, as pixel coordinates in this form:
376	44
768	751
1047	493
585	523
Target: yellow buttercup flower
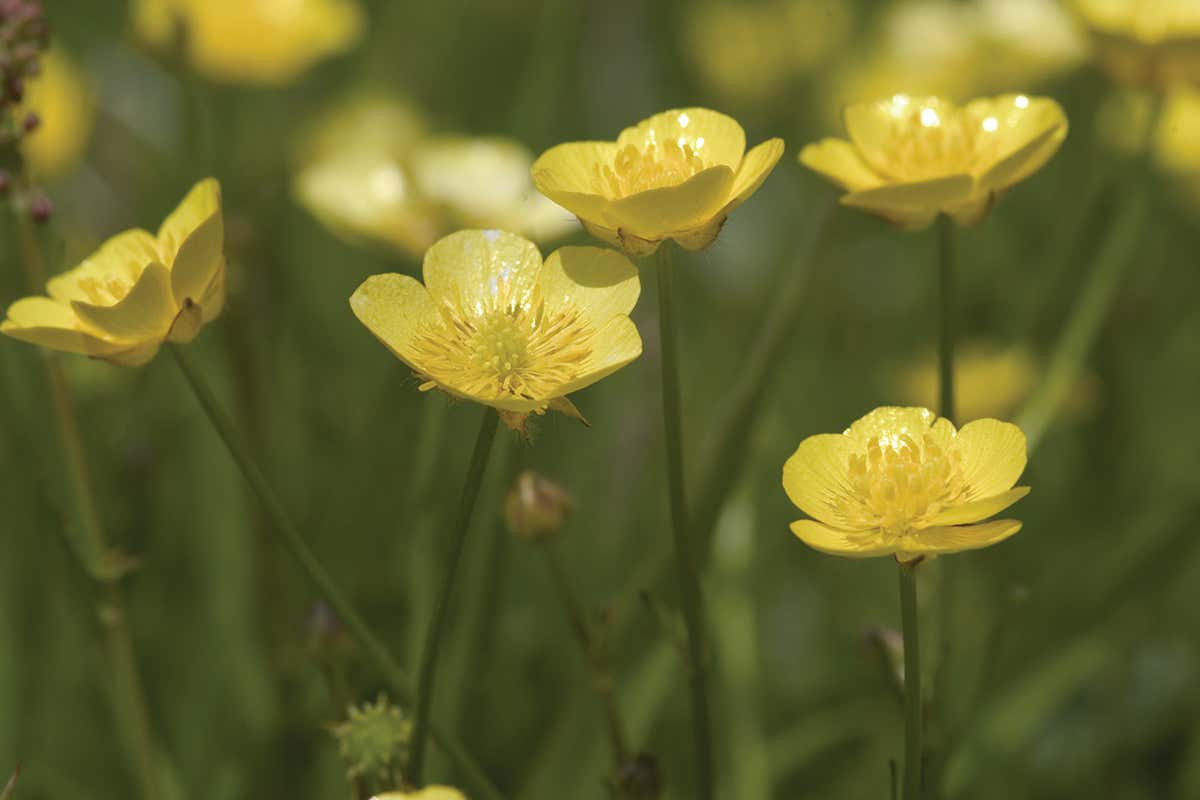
267	42
676	175
428	793
60	97
903	482
1146	42
910	159
496	325
137	291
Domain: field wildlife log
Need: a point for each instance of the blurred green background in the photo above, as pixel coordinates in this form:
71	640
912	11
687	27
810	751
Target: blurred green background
1074	662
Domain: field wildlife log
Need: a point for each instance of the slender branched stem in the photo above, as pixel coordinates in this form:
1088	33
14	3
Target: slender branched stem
437	626
912	681
128	694
685	563
602	679
292	540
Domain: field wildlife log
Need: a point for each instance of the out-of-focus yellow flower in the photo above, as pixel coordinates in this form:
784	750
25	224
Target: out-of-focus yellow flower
1146	42
676	175
749	52
911	158
484	182
959	49
903	482
354	175
371	171
990	380
428	793
496	325
65	108
267	42
137	291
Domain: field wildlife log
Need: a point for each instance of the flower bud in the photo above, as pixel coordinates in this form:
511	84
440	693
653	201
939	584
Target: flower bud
536	508
41	209
373	740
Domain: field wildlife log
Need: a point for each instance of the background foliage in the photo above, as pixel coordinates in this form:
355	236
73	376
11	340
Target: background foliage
1074	660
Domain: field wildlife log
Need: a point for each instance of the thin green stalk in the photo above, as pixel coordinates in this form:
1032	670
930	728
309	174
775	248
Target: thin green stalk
292	540
945	229
437	626
727	449
602	679
689	578
128	694
912	681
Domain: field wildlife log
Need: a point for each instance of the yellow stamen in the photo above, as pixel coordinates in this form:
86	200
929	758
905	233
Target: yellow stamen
506	347
929	142
898	485
668	163
106	290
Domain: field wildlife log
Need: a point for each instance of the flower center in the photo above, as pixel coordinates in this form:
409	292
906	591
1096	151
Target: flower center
926	143
505	348
668	163
898	485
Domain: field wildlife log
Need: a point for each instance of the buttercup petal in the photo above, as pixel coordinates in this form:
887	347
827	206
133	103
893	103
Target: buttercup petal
42	321
848	544
615	345
146	312
754	169
718	139
840	162
993	454
870	125
816	477
191	241
957	538
600	282
981	509
472	265
123	256
891	421
394	307
916	204
1035	139
657	213
567	174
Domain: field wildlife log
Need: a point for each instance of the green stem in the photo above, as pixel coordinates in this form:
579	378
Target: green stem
689	578
437	626
912	681
945	229
128	694
728	446
294	543
602	680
